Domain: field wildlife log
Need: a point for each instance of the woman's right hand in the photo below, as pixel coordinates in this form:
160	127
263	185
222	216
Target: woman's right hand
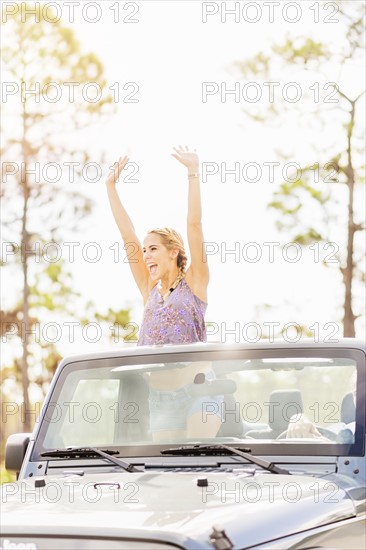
116	170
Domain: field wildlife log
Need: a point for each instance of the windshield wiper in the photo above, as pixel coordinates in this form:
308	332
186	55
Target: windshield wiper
89	452
194	450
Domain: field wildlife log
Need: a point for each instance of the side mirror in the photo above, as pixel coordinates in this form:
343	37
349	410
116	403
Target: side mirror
15	450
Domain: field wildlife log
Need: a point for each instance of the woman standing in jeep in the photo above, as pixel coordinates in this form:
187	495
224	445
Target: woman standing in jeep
175	298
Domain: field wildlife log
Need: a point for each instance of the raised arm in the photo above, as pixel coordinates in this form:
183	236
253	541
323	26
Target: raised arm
132	244
197	274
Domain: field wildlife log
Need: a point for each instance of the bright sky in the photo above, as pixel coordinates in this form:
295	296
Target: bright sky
169	53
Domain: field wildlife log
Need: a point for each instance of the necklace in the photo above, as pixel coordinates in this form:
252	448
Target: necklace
163	297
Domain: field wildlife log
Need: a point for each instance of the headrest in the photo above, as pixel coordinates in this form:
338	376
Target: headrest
348	409
283	404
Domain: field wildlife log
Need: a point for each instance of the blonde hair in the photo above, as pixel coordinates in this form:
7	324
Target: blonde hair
172	239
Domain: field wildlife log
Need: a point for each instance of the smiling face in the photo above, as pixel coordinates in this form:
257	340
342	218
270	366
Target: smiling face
158	258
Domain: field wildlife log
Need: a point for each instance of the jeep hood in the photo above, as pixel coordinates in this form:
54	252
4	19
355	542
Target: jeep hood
172	507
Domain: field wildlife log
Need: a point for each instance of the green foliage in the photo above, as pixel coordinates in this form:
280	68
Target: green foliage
301	50
52	289
5	476
35	53
306	207
258	65
119	325
308	237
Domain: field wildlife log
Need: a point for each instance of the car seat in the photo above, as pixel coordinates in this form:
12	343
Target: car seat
282	405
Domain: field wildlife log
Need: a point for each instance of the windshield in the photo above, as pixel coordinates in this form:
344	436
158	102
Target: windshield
307	399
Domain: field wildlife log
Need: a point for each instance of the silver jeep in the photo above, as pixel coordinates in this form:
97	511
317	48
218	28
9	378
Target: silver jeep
201	446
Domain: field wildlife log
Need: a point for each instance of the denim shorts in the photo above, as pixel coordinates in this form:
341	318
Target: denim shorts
169	410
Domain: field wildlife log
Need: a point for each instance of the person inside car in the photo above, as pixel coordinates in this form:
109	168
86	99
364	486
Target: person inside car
300	426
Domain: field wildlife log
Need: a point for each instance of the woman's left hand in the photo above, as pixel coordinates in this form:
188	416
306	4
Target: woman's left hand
188	158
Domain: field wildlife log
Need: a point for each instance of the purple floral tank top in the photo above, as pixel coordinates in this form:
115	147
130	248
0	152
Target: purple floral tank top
178	320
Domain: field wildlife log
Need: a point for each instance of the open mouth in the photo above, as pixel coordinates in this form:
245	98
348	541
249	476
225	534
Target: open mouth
153	268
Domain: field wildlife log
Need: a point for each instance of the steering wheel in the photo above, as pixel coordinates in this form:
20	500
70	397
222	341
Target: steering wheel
323	431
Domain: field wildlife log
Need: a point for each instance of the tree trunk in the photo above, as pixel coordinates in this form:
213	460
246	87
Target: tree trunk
26	416
25	323
347	272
